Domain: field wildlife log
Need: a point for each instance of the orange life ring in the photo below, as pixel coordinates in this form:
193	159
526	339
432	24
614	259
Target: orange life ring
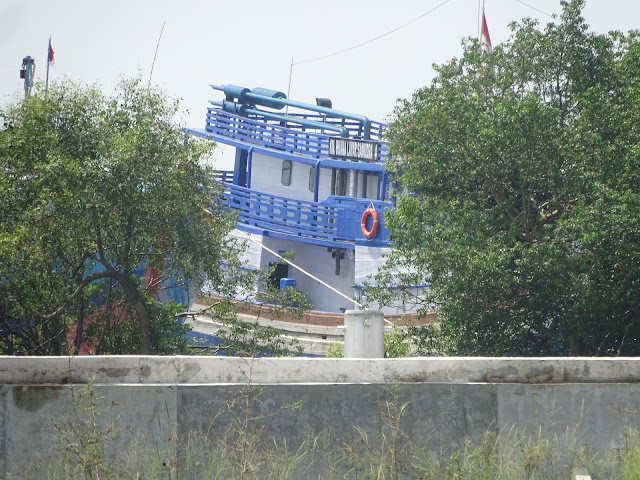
369	234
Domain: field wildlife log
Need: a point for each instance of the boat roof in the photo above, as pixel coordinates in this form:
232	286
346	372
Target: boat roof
253	119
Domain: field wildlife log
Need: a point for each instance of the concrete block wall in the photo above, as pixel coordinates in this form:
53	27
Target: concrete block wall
158	398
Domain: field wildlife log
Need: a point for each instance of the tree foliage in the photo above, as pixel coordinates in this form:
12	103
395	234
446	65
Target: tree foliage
522	206
94	189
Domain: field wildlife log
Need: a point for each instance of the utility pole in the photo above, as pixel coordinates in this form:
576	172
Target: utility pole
28	72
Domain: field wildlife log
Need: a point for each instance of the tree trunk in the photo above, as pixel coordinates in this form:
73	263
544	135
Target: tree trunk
80	328
134	297
576	346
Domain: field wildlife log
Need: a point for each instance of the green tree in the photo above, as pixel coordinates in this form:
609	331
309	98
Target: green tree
522	205
93	190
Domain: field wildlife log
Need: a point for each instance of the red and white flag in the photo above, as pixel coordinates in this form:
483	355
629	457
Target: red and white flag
485	39
50	57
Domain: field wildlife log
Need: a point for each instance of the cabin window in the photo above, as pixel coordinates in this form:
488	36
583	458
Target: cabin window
285	178
312	179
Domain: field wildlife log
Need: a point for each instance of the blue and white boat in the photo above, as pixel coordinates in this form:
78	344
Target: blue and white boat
306	178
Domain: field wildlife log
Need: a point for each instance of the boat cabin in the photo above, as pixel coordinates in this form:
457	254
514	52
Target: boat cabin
306	178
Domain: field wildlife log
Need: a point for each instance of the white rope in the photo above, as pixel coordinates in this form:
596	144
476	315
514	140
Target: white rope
301	269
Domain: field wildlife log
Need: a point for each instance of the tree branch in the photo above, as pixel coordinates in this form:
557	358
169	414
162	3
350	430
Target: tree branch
90	278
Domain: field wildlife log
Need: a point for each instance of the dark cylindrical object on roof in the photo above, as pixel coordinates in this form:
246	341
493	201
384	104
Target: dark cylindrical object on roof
264	94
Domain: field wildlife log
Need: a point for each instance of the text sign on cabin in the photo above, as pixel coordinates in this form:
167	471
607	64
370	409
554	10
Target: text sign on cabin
353	149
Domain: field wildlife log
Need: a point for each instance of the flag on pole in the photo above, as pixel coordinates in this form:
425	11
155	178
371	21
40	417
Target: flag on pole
485	39
49	62
51	52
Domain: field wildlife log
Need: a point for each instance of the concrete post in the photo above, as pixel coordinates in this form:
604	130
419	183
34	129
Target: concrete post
580	474
363	334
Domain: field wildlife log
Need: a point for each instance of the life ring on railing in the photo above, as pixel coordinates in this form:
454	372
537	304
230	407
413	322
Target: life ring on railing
369	234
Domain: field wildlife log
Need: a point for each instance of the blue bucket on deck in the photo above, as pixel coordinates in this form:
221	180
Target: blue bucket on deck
287	282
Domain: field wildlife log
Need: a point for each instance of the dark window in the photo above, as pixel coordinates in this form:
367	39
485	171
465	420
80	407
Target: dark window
285	178
341	182
312	179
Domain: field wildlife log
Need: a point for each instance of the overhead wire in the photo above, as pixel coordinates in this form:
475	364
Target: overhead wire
372	39
344	50
534	8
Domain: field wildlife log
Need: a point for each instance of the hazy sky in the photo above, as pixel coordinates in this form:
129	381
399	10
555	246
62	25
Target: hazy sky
251	43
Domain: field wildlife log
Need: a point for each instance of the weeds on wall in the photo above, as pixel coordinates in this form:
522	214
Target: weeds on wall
236	445
81	437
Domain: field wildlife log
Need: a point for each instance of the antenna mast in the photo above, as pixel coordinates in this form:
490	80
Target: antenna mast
156	53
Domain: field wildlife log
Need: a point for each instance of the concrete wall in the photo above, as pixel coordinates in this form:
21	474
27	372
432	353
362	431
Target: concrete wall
157	398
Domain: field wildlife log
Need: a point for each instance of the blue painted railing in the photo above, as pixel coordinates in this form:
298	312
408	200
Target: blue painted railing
333	223
355	128
291	137
223	176
285	217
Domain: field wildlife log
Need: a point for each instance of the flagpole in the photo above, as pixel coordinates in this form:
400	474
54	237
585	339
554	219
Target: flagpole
480	17
46	85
